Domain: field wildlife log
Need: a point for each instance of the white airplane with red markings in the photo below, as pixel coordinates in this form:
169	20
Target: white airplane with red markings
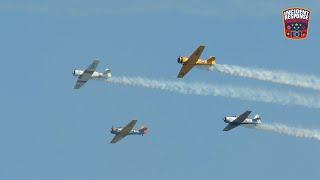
90	73
120	132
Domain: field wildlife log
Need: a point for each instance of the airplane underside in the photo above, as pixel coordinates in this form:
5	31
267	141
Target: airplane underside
205	67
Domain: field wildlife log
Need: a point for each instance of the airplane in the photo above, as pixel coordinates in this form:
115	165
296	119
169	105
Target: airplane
90	73
235	121
193	60
127	130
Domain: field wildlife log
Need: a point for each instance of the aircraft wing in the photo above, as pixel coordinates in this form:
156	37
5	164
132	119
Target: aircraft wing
238	121
124	132
242	117
86	74
230	126
191	61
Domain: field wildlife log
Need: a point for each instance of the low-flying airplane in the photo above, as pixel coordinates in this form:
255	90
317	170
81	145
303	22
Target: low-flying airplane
235	121
127	130
90	73
193	60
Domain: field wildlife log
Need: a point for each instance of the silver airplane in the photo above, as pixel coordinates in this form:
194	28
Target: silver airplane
235	121
127	130
90	73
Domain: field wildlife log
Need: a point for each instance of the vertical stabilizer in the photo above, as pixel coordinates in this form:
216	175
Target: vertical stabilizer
211	60
143	129
107	73
256	117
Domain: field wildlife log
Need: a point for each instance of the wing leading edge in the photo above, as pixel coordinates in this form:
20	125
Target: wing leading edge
124	132
191	62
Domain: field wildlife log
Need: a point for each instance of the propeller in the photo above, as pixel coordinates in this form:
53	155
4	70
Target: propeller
179	59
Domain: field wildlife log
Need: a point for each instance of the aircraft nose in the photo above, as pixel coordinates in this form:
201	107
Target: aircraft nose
179	59
224	119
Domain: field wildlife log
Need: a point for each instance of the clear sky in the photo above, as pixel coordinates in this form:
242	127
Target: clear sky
51	131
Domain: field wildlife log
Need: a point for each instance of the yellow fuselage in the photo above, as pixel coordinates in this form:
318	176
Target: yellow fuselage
209	62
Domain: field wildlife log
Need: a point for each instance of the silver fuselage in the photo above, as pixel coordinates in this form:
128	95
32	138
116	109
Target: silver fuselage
230	119
132	132
95	74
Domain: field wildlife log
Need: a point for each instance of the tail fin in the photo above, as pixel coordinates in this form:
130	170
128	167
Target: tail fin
211	59
143	129
107	73
257	117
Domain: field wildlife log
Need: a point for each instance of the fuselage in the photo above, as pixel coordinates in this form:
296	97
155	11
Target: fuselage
231	119
132	132
95	75
183	60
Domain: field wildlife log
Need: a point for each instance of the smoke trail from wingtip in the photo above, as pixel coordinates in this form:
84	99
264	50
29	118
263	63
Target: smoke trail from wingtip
229	91
275	76
291	131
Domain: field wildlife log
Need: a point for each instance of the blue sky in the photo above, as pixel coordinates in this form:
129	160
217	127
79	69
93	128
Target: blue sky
50	131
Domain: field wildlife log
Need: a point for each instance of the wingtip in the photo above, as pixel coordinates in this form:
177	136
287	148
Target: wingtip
96	60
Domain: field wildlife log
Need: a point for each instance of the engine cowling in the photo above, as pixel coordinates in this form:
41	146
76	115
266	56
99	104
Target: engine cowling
179	60
77	72
182	59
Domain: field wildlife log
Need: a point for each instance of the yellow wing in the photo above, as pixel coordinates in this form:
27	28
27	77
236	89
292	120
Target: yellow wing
191	61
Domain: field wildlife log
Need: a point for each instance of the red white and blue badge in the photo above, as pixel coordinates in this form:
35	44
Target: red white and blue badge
296	23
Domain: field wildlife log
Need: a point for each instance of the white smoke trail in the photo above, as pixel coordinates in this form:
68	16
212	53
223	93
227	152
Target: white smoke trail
276	76
243	93
291	131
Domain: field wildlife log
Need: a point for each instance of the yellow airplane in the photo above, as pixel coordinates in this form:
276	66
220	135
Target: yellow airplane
193	60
